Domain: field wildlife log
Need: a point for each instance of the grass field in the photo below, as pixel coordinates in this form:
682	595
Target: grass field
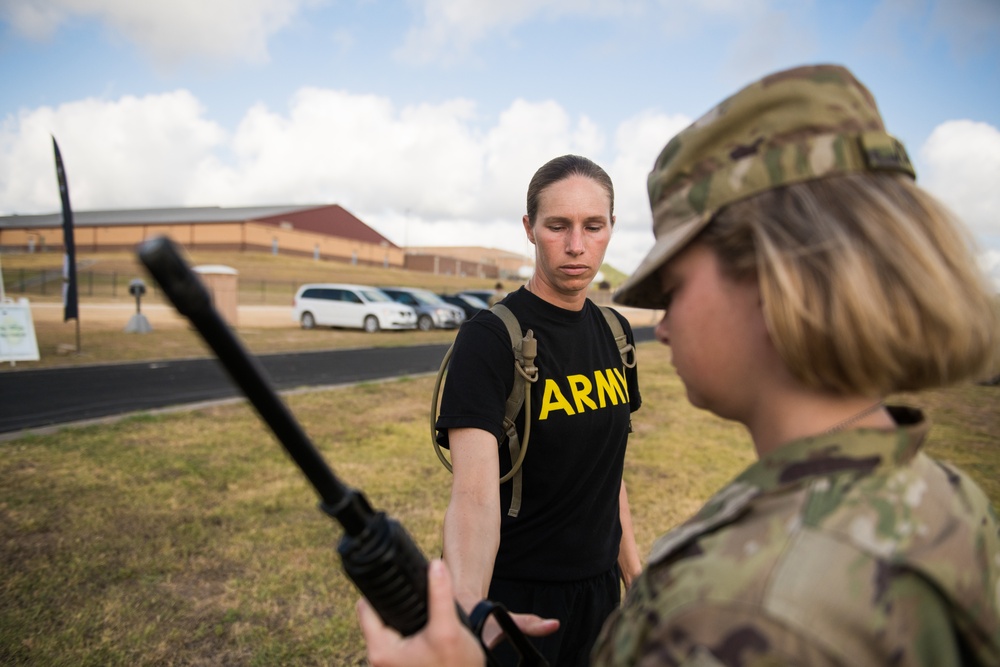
190	539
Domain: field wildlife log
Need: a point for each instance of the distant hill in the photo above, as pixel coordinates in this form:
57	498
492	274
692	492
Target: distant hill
613	275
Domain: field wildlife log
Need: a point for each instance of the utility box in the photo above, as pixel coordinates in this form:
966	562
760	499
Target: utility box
222	283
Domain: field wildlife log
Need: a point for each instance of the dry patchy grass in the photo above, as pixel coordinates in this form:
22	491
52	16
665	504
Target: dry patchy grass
102	344
191	539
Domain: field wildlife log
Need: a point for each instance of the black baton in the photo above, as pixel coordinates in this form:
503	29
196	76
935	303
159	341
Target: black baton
377	553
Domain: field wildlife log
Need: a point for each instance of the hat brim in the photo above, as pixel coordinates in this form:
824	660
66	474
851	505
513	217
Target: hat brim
642	289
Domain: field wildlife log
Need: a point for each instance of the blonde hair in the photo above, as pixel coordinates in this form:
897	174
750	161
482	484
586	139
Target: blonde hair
869	285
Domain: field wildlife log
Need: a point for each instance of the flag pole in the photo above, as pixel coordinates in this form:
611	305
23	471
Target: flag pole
71	310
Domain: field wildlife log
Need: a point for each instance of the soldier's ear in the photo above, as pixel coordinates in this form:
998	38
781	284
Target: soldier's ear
528	229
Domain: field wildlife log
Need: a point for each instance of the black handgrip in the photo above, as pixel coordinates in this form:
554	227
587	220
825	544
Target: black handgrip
385	564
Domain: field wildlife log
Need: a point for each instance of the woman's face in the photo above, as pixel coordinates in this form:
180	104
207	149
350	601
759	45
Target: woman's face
571	234
715	328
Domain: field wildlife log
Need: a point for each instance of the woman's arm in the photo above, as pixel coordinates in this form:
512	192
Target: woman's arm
628	553
472	520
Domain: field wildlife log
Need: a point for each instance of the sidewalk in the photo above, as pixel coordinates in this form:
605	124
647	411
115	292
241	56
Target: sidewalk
256	316
161	315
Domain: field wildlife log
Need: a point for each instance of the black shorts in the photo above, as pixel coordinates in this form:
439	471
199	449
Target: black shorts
581	607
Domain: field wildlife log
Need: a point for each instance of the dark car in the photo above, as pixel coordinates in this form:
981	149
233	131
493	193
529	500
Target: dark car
483	295
468	303
432	312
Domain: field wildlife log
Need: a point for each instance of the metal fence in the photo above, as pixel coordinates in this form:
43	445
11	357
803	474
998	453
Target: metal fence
115	285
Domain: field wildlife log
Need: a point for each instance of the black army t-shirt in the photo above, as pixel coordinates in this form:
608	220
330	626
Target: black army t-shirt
568	526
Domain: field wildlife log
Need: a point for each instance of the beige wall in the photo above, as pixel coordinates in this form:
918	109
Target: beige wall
506	263
231	236
449	266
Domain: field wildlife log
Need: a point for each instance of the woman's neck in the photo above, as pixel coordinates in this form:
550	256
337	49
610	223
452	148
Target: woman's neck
780	422
567	301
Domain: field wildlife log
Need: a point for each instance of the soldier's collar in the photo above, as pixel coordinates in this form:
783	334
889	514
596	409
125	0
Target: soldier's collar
861	451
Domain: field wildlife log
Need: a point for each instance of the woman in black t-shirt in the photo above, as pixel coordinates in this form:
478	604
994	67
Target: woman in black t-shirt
571	544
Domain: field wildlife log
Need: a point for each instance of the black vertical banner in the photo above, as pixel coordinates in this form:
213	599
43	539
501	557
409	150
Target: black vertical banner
71	311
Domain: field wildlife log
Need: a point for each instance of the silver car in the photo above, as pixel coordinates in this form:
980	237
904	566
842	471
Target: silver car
432	311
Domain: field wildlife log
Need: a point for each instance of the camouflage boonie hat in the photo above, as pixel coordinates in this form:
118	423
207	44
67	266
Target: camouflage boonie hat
792	126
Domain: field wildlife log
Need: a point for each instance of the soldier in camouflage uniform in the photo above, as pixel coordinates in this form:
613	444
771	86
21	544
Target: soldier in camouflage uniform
843	545
804	277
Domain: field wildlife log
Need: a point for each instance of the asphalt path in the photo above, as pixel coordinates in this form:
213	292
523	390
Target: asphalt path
48	397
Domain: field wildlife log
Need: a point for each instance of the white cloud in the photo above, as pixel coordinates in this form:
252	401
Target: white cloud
35	19
638	141
769	41
357	150
440	174
426	172
362	151
448	29
168	32
133	152
989	262
526	136
431	164
970	26
960	164
689	20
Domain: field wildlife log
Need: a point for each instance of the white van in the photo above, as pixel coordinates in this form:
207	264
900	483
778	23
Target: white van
355	306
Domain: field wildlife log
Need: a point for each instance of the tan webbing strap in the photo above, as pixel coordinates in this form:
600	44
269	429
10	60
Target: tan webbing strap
626	349
514	402
525	349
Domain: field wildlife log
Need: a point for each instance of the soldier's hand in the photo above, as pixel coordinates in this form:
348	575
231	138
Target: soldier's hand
444	642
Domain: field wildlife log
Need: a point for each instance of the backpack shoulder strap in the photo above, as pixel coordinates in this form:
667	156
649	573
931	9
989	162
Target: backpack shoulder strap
626	349
516	398
525	351
510	321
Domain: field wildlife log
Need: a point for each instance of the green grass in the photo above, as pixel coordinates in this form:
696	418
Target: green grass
191	539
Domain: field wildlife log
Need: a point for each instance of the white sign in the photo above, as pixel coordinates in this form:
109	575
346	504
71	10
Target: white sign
17	332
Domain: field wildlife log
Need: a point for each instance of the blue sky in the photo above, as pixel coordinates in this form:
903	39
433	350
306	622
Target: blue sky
426	118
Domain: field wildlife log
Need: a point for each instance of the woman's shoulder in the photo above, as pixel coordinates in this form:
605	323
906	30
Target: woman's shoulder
484	331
